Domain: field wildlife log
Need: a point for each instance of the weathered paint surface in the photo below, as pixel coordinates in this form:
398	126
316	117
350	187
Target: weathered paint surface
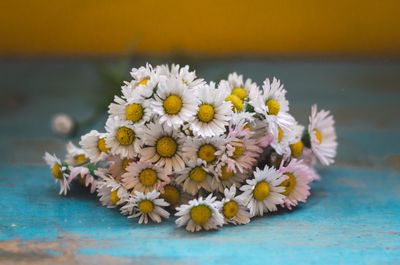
352	217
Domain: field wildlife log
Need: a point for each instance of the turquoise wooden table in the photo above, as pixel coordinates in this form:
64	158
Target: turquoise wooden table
352	217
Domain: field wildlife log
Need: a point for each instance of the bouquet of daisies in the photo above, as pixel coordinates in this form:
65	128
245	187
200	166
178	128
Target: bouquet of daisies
211	154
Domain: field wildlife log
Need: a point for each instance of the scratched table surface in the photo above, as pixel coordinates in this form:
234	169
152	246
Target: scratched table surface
352	217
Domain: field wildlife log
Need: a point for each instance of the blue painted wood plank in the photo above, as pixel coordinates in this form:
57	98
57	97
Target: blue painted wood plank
352	216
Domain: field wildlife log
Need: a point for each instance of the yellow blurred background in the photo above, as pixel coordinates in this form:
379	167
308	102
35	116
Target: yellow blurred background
208	27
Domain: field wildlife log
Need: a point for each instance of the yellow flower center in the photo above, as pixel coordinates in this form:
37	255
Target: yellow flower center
125	136
280	134
172	104
197	174
200	214
240	92
289	184
226	173
148	177
166	146
206	152
261	191
248	127
297	149
101	145
134	112
239	151
143	82
318	135
146	206
56	171
114	197
206	113
237	103
125	163
273	106
80	159
171	194
230	209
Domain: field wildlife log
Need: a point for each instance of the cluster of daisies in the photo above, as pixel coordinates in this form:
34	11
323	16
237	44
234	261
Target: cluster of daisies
211	154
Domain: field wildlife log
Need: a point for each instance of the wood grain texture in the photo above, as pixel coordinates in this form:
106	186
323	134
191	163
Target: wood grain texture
352	216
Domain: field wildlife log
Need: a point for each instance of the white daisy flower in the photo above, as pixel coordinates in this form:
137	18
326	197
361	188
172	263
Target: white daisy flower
297	188
183	74
225	177
272	103
245	120
281	142
142	73
122	138
245	149
240	88
232	208
322	135
118	166
194	177
94	144
144	177
272	96
213	112
76	156
148	205
110	191
261	133
135	110
128	208
58	170
263	193
238	91
174	195
163	146
200	214
162	70
143	84
174	103
86	178
296	144
209	150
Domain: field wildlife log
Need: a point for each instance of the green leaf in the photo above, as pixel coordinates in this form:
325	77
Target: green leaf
306	139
